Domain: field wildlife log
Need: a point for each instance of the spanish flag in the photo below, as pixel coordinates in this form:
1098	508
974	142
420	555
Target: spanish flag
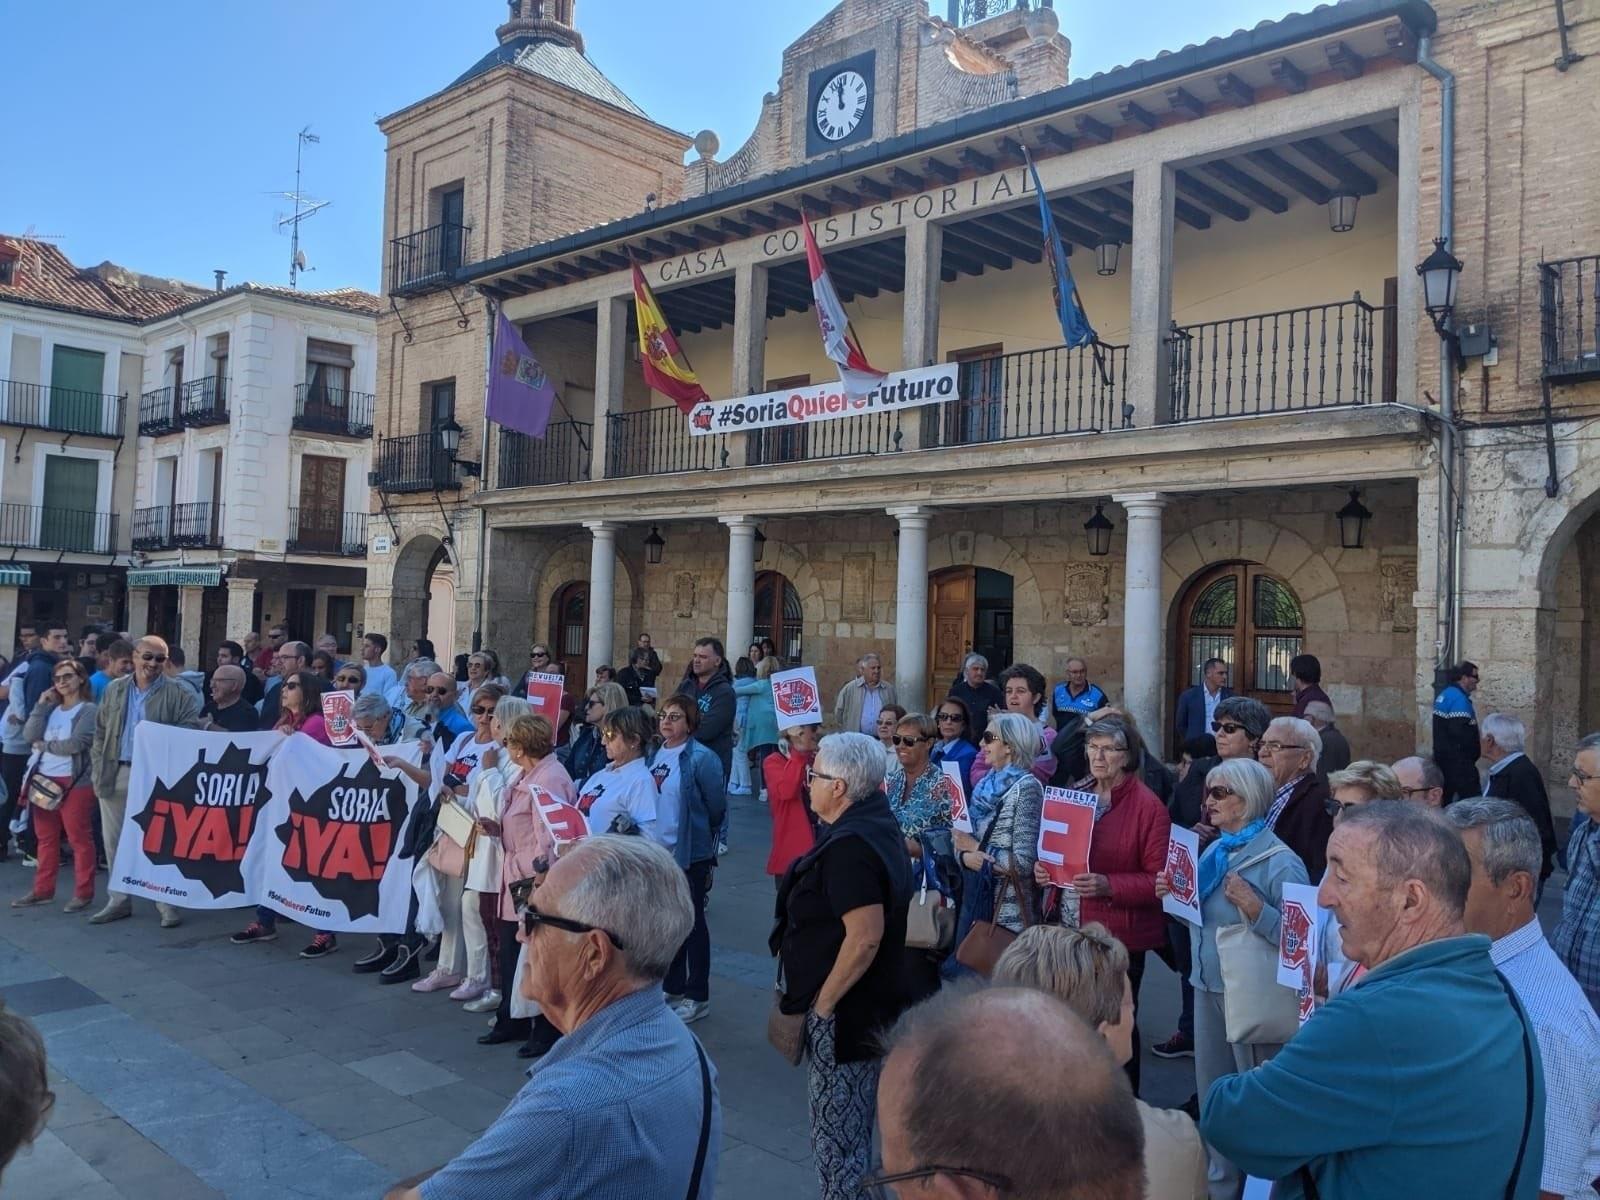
660	357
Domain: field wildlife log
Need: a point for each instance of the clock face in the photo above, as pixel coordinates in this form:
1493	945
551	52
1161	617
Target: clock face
840	105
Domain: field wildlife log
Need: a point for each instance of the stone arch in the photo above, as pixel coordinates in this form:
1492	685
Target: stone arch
1554	524
410	578
787	560
1280	550
567	558
965	548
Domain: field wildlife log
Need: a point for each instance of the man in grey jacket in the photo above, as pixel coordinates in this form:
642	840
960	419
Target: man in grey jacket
146	695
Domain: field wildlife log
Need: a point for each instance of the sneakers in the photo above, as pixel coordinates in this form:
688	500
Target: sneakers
722	848
321	946
374	960
1176	1046
689	1011
403	968
437	981
251	933
115	910
488	1002
470	989
29	860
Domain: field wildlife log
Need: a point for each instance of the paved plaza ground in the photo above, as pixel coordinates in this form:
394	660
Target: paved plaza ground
185	1066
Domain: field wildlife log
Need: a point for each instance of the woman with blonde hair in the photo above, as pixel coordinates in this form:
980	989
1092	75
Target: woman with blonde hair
1087	969
583	755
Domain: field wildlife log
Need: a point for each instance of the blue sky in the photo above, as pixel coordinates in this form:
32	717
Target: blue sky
155	133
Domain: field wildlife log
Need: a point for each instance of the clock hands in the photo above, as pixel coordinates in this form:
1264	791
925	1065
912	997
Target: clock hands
838	88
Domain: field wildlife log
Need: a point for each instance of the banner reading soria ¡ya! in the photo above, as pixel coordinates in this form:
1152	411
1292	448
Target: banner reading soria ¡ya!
219	820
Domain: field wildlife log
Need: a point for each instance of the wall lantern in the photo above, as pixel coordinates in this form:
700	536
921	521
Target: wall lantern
653	545
761	543
449	435
1353	518
1099	530
1342	212
1106	257
1441	275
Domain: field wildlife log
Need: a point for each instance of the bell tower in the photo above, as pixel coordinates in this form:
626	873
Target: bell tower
551	20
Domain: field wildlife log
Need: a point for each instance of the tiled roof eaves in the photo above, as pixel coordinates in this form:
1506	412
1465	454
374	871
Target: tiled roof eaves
359	307
1265	38
76	309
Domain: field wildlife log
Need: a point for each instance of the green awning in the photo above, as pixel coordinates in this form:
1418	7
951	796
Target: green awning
175	577
15	575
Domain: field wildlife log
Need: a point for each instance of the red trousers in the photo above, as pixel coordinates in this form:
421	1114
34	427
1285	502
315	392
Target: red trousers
76	816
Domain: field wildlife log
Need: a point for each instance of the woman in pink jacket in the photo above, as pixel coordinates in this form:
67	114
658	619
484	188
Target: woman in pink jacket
527	851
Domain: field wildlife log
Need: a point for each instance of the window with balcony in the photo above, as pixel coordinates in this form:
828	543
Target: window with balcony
324	403
68	517
427	258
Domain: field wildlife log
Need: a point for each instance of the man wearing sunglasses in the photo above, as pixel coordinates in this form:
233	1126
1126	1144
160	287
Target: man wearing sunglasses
286	660
146	695
625	1103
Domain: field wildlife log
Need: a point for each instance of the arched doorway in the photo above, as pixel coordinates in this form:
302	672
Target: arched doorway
422	603
969	609
1252	620
778	616
569	624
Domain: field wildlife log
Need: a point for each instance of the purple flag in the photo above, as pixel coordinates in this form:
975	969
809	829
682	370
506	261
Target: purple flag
520	393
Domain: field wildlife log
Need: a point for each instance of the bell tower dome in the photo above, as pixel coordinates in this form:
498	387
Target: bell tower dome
550	20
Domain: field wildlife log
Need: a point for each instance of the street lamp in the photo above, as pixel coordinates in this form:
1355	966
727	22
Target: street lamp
449	435
1099	530
1342	212
761	543
1106	257
653	545
1441	276
1353	518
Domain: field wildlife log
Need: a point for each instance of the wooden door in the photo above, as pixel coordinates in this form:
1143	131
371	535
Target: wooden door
301	615
569	621
342	620
1250	619
952	613
321	502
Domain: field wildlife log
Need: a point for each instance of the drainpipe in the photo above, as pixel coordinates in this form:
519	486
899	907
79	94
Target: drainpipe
483	474
1452	482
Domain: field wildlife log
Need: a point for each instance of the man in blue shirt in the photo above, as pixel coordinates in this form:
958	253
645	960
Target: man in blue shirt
1456	743
625	1105
381	678
1077	694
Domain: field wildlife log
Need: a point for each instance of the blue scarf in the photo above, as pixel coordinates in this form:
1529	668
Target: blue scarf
1214	862
984	803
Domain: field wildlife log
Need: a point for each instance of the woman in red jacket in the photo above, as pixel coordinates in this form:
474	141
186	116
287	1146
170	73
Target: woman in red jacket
1131	832
785	775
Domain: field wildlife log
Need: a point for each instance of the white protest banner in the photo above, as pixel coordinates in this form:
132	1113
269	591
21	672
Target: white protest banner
221	820
336	709
796	697
960	813
1066	826
826	401
1183	875
1299	921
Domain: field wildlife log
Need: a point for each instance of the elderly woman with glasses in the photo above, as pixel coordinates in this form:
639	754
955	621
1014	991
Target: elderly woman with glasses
1004	808
691	805
840	941
480	670
1241	878
622	796
1299	816
1131	832
951	743
585	754
61	730
351	677
920	794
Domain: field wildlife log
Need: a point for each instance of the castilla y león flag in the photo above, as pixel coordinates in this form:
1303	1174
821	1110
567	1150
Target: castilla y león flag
660	357
856	374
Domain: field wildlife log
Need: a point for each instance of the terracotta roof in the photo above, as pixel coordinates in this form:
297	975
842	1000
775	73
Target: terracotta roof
43	275
352	300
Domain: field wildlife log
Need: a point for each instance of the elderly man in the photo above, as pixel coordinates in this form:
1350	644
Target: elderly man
379	722
146	695
977	693
625	1103
329	645
1507	855
1076	696
1456	744
1421	781
1512	776
1335	749
969	1072
1197	706
411	700
1291	749
1577	936
1420	1079
227	710
289	658
856	708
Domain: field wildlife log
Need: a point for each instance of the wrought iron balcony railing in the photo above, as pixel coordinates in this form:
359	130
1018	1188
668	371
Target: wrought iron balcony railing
657	441
561	456
204	401
427	258
158	412
1569	318
319	409
320	531
152	528
61	410
1032	393
49	527
198	524
415	464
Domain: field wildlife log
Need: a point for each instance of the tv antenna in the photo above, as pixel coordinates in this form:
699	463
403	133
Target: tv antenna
304	207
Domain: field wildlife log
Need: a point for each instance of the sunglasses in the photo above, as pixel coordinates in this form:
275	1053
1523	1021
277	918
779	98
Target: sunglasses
440	691
671	715
989	737
482	712
1217	792
350	679
538	654
1335	807
153	658
898	740
951	716
532	918
291	686
1226	727
64	676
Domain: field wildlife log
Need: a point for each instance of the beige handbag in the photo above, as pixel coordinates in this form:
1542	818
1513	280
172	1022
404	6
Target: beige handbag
458	837
1256	1007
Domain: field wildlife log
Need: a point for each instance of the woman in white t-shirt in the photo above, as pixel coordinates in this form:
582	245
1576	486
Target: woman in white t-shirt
61	729
624	787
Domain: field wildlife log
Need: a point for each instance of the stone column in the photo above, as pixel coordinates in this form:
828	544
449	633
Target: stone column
911	608
749	345
138	612
8	616
1143	628
741	584
602	589
191	602
241	607
610	364
1151	315
919	337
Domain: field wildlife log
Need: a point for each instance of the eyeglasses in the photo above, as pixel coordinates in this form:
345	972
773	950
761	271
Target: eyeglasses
482	712
1274	747
898	740
444	691
1335	807
1103	751
532	918
812	775
153	658
877	1186
952	716
1408	793
352	680
291	686
671	716
988	736
1583	776
1218	792
64	676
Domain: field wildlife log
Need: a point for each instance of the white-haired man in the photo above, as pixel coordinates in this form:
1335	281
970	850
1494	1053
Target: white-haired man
1291	750
1512	776
856	708
1507	855
625	1104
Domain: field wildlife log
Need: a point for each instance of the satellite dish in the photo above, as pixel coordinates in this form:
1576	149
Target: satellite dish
300	261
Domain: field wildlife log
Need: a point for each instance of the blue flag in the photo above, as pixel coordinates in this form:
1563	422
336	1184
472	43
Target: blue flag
1075	327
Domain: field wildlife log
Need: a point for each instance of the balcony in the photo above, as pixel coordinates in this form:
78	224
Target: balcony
158	412
61	410
561	456
197	525
204	402
428	258
1320	356
48	527
1032	393
152	528
656	441
1569	318
415	464
335	411
317	531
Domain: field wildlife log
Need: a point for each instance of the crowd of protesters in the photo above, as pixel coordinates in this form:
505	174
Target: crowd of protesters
1452	1050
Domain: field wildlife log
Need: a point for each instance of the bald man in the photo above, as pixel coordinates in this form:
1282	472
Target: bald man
1421	781
146	695
966	1070
227	710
